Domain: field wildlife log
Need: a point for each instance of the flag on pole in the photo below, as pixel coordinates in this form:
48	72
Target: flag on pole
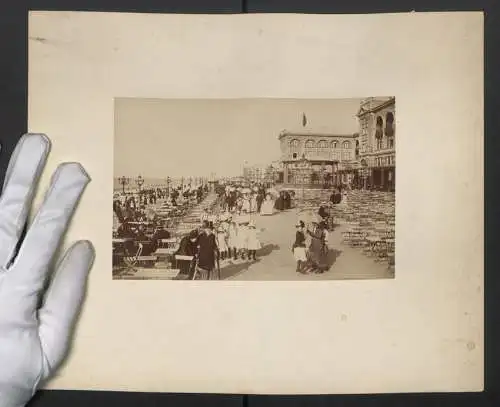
304	120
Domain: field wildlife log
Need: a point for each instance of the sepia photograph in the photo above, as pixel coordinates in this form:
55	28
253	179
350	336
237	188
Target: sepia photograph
257	189
269	168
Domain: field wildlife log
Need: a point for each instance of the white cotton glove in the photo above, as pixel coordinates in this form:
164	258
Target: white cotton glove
36	321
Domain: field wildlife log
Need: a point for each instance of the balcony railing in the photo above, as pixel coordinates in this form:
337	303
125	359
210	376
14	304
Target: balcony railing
325	156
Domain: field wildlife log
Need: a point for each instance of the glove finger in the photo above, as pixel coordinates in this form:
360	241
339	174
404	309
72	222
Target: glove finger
30	268
23	172
63	301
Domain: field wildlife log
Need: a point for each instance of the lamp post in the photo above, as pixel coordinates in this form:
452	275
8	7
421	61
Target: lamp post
140	182
123	181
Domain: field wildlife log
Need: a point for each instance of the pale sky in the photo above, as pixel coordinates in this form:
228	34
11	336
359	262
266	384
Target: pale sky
194	137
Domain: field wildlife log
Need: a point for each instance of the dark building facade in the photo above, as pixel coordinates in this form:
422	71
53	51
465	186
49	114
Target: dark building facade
377	146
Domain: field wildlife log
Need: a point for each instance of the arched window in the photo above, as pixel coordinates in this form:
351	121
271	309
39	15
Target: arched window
346	145
389	124
294	143
378	128
379	132
322	144
389	129
334	144
309	147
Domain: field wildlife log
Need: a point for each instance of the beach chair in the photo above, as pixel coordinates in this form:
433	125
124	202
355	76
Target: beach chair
131	260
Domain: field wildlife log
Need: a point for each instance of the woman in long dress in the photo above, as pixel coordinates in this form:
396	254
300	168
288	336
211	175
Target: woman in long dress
245	208
318	250
267	206
280	201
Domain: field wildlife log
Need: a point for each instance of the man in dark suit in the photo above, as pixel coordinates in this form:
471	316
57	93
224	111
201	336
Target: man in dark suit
260	199
187	247
208	251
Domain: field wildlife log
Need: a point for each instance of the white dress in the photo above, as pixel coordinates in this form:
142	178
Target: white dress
267	207
246	205
242	237
300	254
222	241
253	242
233	237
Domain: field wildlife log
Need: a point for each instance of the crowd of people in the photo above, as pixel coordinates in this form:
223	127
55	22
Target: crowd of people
137	224
226	231
256	198
228	240
310	247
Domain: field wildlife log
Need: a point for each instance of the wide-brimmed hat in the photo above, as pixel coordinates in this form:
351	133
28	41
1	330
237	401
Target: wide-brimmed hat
300	224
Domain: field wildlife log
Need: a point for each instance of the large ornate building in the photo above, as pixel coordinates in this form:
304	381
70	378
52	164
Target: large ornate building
377	152
317	158
366	159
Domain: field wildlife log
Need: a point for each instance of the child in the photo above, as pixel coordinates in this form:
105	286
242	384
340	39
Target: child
253	242
243	238
299	247
233	239
222	241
